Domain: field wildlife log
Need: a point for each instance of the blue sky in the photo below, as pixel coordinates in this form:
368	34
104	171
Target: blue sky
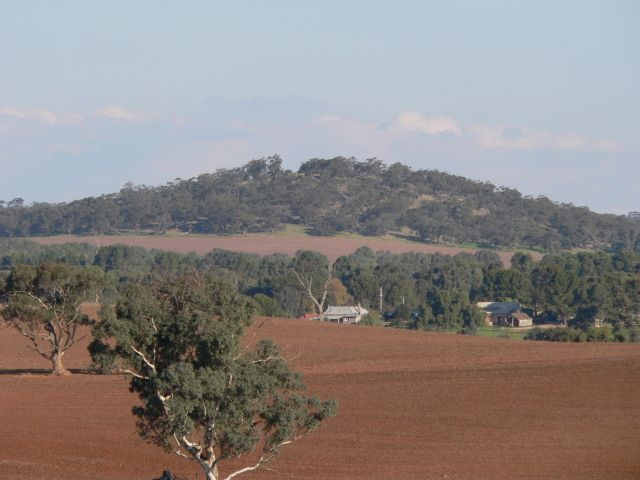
541	96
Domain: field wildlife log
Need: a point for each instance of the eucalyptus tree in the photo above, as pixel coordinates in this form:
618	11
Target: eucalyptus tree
44	304
205	397
313	276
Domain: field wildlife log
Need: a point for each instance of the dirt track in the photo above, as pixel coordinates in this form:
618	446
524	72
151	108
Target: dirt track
332	247
412	406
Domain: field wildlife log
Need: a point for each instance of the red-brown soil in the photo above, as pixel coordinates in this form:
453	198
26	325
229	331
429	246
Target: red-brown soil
413	405
332	247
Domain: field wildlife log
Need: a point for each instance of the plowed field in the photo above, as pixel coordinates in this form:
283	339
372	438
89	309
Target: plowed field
412	406
332	247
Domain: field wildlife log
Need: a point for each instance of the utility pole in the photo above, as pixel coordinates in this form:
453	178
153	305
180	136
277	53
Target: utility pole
381	300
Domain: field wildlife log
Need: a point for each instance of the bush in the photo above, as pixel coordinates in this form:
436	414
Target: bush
568	334
373	318
468	330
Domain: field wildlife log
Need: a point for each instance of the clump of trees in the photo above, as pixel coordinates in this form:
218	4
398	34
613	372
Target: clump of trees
204	396
330	196
439	292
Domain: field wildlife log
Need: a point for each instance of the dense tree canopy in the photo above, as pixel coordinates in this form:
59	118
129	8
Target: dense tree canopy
329	196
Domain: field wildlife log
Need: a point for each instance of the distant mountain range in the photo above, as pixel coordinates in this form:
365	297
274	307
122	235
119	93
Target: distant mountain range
330	196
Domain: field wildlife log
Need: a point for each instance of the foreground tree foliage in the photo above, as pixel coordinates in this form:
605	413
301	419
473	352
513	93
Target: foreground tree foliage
43	304
203	396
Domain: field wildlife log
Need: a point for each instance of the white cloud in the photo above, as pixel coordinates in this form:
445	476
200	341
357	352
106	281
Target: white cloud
117	112
412	122
377	137
367	138
409	123
411	130
34	114
17	120
520	138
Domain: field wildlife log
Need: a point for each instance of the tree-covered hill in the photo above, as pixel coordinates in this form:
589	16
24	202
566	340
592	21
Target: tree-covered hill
330	196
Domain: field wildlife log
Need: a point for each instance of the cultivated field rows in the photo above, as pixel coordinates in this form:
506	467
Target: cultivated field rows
332	247
413	405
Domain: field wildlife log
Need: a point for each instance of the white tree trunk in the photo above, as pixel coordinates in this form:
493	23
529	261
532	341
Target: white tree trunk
58	367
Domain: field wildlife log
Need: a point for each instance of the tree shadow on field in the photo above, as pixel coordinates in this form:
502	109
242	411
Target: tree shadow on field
43	371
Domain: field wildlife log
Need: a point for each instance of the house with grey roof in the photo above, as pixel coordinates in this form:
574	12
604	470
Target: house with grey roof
507	314
344	314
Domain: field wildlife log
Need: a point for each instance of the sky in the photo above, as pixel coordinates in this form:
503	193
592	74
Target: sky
540	96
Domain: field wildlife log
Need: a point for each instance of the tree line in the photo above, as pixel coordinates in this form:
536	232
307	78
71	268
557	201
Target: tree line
329	196
419	290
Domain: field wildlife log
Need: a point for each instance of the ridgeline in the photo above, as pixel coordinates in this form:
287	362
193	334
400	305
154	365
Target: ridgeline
331	196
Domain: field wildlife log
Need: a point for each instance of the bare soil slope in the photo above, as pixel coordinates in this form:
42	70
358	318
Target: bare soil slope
412	406
332	247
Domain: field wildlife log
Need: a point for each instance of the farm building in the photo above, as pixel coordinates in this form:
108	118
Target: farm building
344	314
507	314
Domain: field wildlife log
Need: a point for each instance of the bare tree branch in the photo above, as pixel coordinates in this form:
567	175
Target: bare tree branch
132	373
144	359
264	459
306	283
260	462
255	333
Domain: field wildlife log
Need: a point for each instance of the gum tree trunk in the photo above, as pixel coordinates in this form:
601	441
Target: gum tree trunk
212	474
58	367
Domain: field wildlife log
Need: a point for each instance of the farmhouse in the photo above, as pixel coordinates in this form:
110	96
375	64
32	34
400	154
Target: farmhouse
508	314
344	314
